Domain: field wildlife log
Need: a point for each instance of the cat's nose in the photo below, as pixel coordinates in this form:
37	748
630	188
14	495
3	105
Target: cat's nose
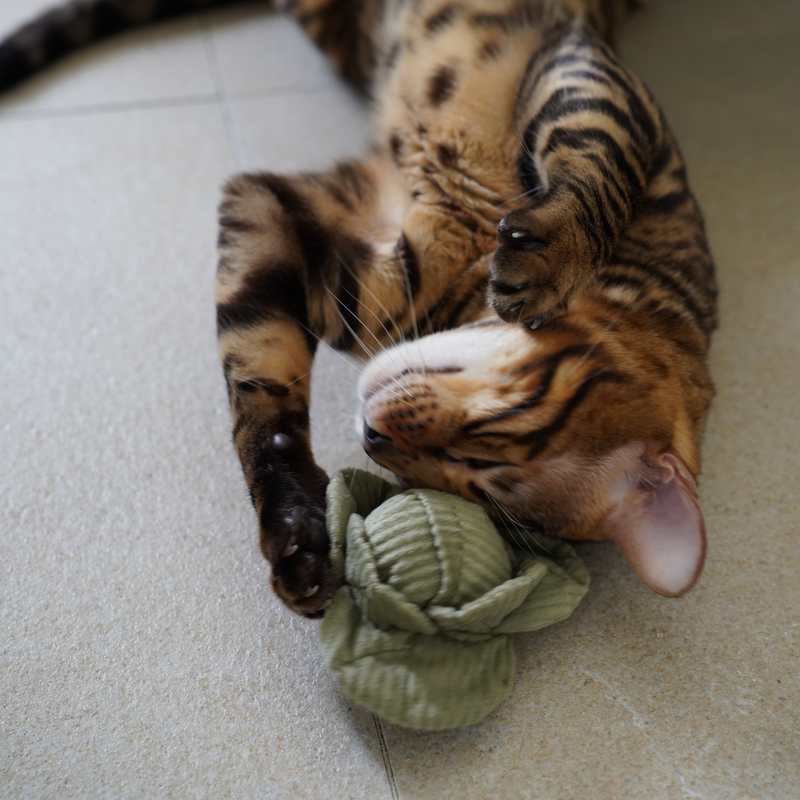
374	441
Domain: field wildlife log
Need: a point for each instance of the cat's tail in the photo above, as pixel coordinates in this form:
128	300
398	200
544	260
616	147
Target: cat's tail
78	23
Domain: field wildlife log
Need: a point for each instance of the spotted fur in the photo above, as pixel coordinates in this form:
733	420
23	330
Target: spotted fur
518	161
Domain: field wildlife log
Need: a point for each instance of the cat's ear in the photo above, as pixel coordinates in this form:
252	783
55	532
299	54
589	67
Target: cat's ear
657	522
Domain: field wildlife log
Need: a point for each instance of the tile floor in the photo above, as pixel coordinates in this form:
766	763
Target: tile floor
141	652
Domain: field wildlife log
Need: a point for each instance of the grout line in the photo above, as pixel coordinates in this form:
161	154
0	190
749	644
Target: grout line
387	761
212	57
15	115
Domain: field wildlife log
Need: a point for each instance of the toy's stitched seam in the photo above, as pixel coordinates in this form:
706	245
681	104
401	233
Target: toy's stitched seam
436	545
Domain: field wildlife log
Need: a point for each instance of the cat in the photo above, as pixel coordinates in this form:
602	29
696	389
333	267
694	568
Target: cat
521	246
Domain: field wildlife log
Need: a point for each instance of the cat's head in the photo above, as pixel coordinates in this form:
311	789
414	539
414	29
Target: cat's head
583	431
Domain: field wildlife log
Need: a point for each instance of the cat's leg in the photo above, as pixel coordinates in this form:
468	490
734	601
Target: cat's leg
266	350
591	137
299	261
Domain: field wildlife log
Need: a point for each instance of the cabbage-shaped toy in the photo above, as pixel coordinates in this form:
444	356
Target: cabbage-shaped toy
419	631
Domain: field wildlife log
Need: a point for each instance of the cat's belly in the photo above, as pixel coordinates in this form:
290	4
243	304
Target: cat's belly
446	109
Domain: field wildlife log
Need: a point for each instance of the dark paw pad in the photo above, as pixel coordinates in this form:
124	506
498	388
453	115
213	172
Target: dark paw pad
289	491
301	572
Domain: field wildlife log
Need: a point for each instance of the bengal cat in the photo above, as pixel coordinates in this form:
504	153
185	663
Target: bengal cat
521	238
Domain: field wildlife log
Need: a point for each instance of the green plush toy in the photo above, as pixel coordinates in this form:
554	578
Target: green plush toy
419	631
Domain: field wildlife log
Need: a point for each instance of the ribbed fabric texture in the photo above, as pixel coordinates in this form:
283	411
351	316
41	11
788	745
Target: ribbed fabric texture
418	633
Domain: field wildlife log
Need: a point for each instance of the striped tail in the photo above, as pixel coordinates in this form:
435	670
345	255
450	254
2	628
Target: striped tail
61	30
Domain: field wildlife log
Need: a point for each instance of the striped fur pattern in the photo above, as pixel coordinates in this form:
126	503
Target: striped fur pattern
518	162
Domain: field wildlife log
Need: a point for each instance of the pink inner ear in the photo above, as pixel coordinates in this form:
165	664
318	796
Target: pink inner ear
661	530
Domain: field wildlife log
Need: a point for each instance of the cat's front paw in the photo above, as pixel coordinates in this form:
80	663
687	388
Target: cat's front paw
292	521
540	264
302	575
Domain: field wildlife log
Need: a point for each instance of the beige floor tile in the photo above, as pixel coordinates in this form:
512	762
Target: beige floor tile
164	62
259	50
303	131
143	651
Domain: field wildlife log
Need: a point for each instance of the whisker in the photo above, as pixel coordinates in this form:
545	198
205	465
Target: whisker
349	327
525	147
396	388
526	193
381	304
296	379
413	310
380	344
380	321
429	322
265	385
529	533
338	353
514	529
388	351
377	299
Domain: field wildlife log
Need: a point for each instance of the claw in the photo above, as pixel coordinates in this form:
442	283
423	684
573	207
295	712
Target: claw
535	322
312	591
291	548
